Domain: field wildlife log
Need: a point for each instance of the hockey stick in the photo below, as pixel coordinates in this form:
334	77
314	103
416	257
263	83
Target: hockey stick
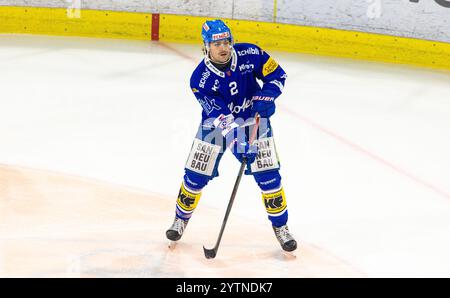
211	253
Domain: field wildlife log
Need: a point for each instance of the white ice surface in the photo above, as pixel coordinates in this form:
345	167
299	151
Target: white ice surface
364	146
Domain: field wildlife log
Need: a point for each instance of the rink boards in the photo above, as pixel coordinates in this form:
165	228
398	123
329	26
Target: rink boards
185	29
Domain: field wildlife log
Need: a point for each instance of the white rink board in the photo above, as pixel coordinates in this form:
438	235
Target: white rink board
252	9
425	19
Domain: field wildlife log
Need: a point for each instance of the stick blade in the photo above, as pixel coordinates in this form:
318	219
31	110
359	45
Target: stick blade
209	253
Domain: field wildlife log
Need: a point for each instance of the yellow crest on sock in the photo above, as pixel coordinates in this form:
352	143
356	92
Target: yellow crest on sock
187	200
275	202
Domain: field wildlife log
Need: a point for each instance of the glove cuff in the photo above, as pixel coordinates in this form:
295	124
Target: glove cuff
263	98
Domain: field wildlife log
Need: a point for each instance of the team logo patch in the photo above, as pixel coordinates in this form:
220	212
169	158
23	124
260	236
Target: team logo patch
224	121
206	27
203	157
187	200
195	90
275	202
269	67
267	158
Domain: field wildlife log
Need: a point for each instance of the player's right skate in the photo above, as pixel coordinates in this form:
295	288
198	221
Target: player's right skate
287	241
175	231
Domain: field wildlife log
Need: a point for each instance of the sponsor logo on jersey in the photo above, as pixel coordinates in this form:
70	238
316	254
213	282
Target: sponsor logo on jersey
208	104
205	76
222	35
244	68
249	51
269	67
216	85
206	27
237	109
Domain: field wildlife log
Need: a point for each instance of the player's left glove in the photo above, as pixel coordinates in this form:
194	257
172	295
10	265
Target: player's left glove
239	145
263	105
244	149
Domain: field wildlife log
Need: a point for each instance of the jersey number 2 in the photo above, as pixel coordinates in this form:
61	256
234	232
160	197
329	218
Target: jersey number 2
233	90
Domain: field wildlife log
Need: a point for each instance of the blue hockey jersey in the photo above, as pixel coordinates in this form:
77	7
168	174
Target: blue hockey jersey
227	95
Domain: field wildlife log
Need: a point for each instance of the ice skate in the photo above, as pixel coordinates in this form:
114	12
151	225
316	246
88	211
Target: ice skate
287	242
175	231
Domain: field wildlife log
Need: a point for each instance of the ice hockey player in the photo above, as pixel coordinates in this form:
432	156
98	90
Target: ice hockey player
225	83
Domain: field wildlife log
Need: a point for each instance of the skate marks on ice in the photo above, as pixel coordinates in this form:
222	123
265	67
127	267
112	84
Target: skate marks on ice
249	250
55	225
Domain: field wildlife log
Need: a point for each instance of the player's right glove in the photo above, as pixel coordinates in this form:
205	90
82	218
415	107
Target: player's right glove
263	105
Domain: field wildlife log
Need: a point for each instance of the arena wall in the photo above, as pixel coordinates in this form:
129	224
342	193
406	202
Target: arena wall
413	32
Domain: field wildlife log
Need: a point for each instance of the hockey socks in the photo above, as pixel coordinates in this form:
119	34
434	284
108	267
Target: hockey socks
276	207
187	201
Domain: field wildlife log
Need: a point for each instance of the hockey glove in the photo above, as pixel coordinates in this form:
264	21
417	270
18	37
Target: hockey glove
263	105
240	147
245	150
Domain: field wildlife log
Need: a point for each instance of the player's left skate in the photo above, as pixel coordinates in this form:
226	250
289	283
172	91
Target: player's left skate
176	230
287	241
